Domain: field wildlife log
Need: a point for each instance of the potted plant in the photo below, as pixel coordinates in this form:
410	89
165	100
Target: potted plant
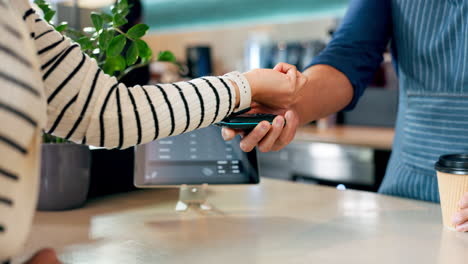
67	171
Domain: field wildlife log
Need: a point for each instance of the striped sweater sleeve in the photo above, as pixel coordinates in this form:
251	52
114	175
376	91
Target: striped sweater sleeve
22	117
48	83
87	106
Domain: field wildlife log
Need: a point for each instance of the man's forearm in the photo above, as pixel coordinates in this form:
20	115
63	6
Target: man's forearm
326	91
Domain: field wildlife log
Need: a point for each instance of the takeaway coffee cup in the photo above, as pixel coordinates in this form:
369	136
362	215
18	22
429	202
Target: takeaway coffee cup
452	176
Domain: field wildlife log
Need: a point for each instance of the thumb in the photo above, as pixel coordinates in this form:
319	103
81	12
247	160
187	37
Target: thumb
288	69
278	68
292	74
282	67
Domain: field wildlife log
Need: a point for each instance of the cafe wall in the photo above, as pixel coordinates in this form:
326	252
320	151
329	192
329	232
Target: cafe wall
228	43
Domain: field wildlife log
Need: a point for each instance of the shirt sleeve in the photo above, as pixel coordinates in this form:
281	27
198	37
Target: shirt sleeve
90	107
22	117
358	44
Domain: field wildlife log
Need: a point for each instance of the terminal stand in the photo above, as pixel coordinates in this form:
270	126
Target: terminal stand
193	196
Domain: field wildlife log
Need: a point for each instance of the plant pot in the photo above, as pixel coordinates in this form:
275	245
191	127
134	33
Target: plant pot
65	174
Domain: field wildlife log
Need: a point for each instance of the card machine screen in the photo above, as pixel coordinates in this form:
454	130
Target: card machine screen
197	157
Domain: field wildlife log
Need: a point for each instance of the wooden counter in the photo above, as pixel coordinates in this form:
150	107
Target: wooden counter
274	222
372	137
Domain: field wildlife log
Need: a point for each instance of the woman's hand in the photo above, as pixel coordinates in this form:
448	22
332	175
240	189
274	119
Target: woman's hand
276	88
460	219
267	137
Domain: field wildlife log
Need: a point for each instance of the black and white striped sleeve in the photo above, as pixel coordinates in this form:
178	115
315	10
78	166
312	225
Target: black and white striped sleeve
22	117
86	105
47	82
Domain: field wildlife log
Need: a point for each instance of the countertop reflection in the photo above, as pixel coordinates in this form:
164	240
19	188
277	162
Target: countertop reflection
274	222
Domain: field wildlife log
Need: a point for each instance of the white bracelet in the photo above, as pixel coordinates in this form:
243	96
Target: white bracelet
245	92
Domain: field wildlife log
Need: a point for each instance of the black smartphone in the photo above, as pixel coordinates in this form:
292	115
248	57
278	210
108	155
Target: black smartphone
245	121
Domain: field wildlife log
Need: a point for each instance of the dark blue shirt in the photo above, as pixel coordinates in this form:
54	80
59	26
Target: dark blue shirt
357	46
430	52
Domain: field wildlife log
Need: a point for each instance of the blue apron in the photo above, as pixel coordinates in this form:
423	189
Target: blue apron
430	46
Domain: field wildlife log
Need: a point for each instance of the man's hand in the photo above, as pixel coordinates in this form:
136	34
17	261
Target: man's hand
277	89
460	219
274	92
267	137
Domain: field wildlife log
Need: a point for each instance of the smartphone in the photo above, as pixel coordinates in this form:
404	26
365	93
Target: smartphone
245	121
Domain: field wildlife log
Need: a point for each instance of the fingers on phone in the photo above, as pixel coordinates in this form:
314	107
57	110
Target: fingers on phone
269	140
228	134
288	132
251	140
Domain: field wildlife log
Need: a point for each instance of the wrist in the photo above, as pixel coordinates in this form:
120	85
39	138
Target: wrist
250	76
236	89
244	88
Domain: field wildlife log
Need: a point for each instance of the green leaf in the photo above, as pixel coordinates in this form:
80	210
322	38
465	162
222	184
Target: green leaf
116	46
106	17
44	6
120	63
166	56
46	10
85	43
74	34
137	31
105	38
108	68
132	54
49	15
39	2
125	12
144	50
119	20
97	21
114	64
114	9
122	5
62	27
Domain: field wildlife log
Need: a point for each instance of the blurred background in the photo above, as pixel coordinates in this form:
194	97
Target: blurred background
217	36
